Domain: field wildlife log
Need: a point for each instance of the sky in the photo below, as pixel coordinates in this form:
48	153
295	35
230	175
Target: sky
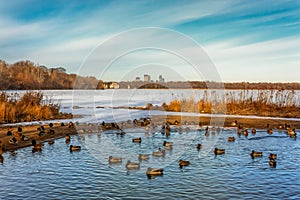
230	40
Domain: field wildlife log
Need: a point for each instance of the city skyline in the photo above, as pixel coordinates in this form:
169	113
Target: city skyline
245	40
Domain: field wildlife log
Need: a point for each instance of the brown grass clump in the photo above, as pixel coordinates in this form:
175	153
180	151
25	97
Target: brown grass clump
30	107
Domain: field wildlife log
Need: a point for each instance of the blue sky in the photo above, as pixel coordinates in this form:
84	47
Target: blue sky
245	40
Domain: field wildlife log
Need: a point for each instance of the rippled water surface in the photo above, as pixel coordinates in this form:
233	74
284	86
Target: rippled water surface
56	173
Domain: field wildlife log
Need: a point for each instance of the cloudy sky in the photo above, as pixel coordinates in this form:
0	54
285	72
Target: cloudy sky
233	40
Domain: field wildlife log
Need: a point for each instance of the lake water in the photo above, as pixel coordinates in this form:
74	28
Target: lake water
56	173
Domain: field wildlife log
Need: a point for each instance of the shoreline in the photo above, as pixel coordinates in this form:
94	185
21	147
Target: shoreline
60	131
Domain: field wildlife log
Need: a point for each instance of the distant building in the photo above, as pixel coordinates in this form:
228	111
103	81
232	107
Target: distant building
161	79
147	78
137	79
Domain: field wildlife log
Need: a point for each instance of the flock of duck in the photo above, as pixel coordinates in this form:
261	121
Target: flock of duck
166	145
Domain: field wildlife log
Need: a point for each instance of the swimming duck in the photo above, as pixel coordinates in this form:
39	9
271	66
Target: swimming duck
68	138
167	144
183	163
273	156
253	131
1	151
1	159
272	163
51	142
231	139
132	165
143	157
75	148
219	151
256	154
159	153
291	132
137	140
270	131
154	171
199	146
114	160
245	132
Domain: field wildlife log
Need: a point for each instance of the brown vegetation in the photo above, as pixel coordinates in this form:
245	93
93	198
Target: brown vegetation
30	107
260	103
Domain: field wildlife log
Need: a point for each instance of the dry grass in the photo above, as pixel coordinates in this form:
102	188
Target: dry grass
275	103
30	107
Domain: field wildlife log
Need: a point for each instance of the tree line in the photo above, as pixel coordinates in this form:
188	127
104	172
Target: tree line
25	75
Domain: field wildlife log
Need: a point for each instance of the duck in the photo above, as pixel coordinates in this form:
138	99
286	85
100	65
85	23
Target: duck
68	138
137	140
143	157
1	159
75	148
245	132
272	163
199	146
219	151
253	131
270	131
159	153
25	138
234	123
13	141
231	139
256	154
154	171
51	142
38	147
273	156
132	165
1	151
183	163
167	144
291	132
114	160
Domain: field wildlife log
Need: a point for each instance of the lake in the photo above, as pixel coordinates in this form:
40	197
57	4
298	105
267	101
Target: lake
57	173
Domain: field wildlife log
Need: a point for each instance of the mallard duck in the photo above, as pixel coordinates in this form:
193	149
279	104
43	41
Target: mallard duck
51	142
270	131
245	132
132	165
75	148
113	160
167	143
272	163
291	132
143	157
13	141
256	154
137	140
231	139
253	131
154	171
25	138
183	163
159	153
273	156
219	151
38	146
199	146
68	138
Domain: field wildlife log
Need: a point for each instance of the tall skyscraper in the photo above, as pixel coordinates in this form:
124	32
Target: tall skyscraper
147	78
